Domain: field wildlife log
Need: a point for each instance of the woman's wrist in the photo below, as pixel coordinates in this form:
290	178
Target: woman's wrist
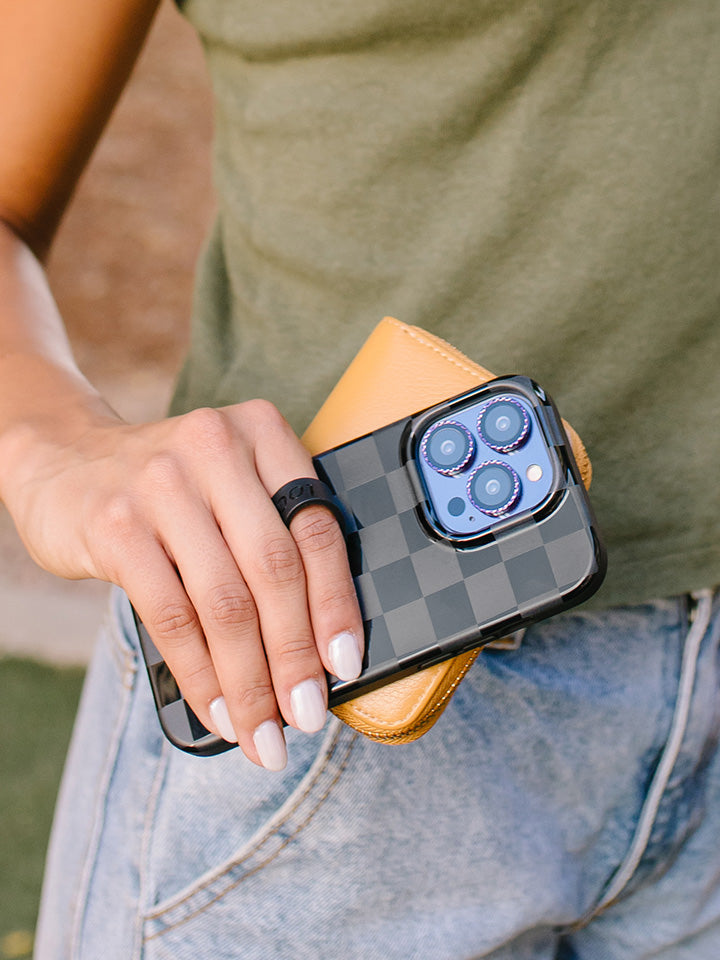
43	407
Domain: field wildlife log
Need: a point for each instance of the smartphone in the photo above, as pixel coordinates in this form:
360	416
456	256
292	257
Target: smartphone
464	523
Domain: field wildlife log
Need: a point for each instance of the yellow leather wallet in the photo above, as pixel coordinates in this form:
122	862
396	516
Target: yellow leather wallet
399	371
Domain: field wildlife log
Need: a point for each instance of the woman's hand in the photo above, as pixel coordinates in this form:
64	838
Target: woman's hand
246	613
178	513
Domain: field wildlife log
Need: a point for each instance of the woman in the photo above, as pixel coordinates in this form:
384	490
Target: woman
537	186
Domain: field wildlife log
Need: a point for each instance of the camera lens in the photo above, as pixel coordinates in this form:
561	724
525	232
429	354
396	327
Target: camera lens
494	488
504	424
448	447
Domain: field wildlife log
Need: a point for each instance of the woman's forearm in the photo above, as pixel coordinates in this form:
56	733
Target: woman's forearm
41	389
62	68
246	613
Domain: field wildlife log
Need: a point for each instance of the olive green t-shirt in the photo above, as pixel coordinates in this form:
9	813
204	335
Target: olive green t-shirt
536	182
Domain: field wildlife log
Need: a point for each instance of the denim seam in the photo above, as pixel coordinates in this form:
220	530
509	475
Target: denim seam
99	810
673	744
123	656
150	812
269	830
124	653
266	838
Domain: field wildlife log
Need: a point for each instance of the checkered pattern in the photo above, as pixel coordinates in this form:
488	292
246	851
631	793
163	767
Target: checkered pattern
419	594
421	598
178	721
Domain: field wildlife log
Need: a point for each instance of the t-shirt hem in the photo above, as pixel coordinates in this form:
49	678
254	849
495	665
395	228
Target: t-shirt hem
665	573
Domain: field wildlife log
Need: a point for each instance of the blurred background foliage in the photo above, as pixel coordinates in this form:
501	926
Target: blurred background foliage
37	708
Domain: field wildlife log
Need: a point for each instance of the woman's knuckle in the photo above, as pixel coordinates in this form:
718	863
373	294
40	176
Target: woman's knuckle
231	607
266	423
279	562
336	595
115	517
315	530
251	696
174	622
294	650
164	473
200	674
207	429
263	413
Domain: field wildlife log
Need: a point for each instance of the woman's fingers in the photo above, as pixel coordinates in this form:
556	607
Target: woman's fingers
333	605
333	609
247	613
303	592
251	618
151	581
273	607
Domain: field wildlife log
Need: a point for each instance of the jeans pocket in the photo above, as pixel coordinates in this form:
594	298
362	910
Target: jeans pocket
250	818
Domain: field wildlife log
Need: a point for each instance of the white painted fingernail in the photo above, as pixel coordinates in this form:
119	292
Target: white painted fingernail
307	702
270	745
345	656
221	719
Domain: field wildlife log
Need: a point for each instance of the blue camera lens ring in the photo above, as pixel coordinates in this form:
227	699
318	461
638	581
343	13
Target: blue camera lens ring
518	422
459	444
508	488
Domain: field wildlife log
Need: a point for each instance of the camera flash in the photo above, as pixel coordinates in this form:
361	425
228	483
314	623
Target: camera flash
534	472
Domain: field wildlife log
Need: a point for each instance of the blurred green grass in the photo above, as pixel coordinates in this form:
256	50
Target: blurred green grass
37	709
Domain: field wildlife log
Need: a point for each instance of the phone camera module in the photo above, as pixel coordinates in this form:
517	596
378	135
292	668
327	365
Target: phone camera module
503	424
494	488
448	447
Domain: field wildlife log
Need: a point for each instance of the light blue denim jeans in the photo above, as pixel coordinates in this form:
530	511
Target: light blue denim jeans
566	805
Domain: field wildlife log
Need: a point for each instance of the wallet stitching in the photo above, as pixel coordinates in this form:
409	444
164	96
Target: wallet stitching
472	368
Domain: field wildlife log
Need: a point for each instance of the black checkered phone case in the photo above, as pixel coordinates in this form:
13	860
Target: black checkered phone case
425	598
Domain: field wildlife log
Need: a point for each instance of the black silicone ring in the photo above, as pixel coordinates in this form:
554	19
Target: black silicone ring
304	492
